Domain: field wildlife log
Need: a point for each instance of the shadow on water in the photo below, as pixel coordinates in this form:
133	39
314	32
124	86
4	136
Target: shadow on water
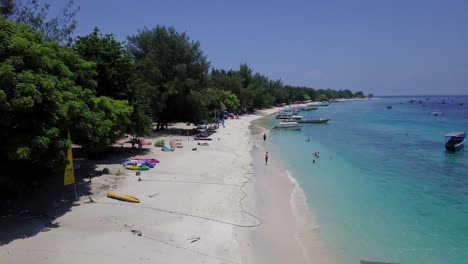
455	156
37	210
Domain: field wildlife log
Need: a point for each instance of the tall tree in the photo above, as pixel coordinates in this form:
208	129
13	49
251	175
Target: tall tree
175	70
116	76
115	70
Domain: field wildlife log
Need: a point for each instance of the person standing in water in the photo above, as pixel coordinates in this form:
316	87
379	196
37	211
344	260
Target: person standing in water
264	136
266	158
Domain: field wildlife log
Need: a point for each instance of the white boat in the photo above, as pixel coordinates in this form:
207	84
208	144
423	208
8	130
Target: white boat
287	126
309	107
284	116
296	117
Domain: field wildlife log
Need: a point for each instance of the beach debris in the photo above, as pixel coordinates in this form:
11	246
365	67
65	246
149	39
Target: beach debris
194	149
91	199
176	144
51	224
165	149
153	195
159	143
138	173
193	239
139	179
106	171
203	144
136	232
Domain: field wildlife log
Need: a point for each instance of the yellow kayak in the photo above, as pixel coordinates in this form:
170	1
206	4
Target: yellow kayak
123	197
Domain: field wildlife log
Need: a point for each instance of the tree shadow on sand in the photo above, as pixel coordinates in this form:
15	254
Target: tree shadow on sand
37	210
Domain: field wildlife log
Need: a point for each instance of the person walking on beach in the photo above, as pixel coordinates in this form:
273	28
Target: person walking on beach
264	137
266	158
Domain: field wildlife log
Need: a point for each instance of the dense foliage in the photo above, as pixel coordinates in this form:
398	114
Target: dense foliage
117	77
99	89
175	70
45	91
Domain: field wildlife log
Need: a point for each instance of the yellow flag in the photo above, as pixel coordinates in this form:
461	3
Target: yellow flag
69	172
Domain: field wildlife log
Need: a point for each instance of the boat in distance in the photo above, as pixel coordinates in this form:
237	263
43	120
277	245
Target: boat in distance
287	126
314	121
455	141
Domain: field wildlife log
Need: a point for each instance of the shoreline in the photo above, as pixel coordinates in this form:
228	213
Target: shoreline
301	225
217	203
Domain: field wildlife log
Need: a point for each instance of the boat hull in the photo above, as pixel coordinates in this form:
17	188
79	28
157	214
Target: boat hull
313	121
288	128
455	147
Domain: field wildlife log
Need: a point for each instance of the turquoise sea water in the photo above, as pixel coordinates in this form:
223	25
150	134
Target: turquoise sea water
384	189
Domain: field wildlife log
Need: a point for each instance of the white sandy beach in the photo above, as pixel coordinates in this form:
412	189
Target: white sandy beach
212	205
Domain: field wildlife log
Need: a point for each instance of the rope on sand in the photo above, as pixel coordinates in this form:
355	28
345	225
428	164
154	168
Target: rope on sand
259	221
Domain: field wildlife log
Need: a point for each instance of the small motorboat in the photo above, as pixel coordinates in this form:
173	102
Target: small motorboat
436	113
314	121
454	141
295	118
389	107
287	126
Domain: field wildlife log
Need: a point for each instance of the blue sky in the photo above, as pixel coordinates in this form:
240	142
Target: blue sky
383	47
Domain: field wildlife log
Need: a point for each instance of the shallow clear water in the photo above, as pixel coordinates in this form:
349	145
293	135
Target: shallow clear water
384	188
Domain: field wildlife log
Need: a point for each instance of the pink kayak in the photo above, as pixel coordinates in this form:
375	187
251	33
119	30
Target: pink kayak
147	160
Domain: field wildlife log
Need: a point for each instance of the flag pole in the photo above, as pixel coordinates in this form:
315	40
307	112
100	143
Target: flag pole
76	193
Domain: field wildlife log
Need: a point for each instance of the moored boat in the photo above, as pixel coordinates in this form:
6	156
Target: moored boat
296	118
455	141
309	107
389	107
287	126
314	121
284	115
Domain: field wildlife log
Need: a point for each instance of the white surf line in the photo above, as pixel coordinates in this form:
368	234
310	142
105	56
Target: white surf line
294	209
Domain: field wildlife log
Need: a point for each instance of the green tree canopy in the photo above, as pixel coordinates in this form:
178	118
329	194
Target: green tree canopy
175	70
231	101
117	77
46	91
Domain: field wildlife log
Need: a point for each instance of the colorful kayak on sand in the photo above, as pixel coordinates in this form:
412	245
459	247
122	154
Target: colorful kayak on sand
123	197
